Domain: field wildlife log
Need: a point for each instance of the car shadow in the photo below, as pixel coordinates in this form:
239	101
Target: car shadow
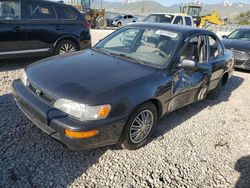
243	167
14	64
173	119
242	70
30	158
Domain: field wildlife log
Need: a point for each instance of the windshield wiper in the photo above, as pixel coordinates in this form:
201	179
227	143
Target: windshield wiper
131	58
119	55
102	50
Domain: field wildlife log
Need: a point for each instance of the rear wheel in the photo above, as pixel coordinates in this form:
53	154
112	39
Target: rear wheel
139	127
65	46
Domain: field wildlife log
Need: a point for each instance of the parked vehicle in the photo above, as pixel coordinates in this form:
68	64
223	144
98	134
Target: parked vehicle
239	42
116	91
123	20
41	28
169	18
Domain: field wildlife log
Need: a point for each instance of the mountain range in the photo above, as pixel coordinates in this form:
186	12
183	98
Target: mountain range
147	7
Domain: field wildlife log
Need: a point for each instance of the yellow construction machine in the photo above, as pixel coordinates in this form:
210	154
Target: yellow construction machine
202	21
96	17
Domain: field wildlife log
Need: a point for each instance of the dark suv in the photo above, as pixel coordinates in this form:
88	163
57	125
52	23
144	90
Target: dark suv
41	28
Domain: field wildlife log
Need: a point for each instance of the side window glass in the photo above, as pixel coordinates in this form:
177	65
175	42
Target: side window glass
196	49
41	11
66	13
10	10
215	48
178	20
188	21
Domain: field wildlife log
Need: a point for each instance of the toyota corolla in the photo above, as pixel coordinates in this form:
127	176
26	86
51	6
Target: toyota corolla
115	92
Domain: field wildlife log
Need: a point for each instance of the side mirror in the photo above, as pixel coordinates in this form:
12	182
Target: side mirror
224	36
187	64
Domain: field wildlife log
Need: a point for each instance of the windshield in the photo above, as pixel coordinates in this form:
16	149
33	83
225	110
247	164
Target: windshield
240	34
159	18
118	17
146	46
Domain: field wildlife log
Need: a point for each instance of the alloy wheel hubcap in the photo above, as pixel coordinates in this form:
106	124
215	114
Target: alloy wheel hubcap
67	48
141	126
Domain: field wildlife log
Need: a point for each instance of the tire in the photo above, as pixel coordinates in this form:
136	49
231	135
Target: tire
101	23
212	95
62	46
119	25
130	133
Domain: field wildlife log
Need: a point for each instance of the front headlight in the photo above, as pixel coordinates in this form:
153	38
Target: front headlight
82	112
23	77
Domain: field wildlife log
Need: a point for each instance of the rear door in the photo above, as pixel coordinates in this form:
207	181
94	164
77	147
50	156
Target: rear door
130	18
190	85
217	59
41	25
178	20
125	20
12	37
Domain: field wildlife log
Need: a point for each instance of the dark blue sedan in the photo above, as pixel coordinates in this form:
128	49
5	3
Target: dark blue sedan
115	92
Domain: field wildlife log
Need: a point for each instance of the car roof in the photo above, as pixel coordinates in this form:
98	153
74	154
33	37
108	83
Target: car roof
243	28
49	1
174	14
185	30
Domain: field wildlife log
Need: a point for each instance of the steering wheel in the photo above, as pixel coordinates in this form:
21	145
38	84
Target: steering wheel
161	53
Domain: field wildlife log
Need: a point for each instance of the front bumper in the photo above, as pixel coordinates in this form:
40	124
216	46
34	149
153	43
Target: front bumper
54	122
242	64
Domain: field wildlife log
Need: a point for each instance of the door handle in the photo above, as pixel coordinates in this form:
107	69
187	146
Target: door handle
17	29
59	28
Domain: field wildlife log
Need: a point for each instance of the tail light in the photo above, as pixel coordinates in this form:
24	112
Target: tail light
87	25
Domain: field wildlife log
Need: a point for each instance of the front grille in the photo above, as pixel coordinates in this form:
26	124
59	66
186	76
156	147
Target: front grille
240	55
40	93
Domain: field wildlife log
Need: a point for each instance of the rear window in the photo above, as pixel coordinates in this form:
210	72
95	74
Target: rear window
188	21
178	20
166	18
65	12
41	11
9	10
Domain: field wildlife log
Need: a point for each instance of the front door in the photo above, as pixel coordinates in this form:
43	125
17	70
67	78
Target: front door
191	84
12	36
41	26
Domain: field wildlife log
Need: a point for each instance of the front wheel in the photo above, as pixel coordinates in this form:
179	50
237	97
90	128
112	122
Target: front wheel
119	25
139	127
65	46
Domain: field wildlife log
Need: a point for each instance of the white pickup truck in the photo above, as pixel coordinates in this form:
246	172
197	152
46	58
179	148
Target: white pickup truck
170	18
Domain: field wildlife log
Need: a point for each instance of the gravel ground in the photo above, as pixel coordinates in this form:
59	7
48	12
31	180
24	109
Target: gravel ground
206	144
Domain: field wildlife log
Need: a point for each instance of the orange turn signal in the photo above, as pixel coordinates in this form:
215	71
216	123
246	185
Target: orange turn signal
85	134
104	112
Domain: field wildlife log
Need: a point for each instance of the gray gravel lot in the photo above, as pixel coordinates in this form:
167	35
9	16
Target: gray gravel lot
206	144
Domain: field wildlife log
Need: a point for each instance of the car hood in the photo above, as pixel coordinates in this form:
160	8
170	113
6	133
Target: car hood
84	74
237	44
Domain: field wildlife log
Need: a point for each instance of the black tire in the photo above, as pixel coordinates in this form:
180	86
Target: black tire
101	23
126	141
212	95
65	42
119	25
